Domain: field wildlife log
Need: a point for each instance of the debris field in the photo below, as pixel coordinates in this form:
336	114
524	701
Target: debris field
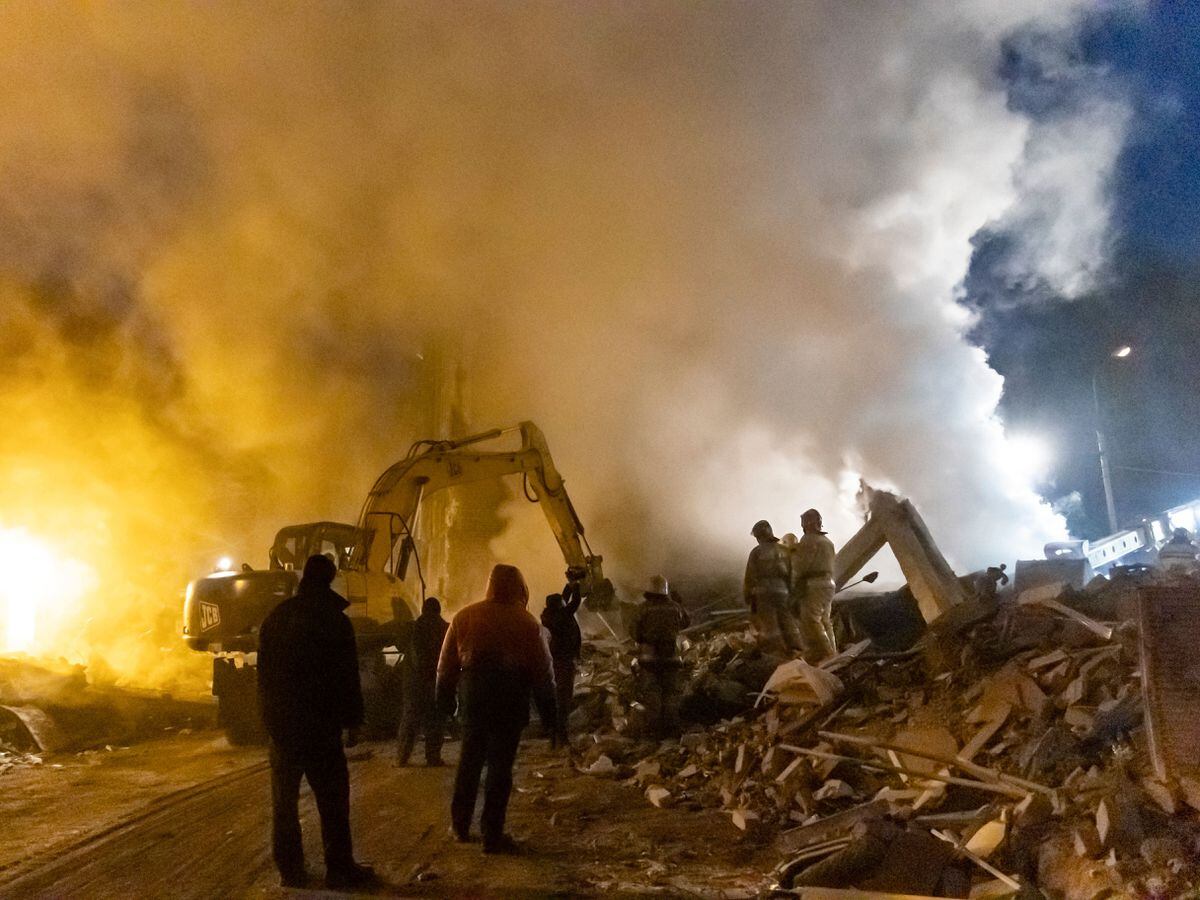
1021	747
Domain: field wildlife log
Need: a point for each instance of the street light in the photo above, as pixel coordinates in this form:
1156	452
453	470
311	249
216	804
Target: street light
1101	446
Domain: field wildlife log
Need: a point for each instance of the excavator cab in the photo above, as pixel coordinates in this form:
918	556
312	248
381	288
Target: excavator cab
296	543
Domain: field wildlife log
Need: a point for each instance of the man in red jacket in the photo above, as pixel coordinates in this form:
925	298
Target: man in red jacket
494	658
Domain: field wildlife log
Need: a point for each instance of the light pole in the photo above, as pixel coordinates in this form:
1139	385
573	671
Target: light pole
1101	445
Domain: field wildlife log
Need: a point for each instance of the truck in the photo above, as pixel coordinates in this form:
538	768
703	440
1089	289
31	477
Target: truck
381	572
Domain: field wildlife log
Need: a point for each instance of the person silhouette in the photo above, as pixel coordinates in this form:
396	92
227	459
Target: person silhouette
309	693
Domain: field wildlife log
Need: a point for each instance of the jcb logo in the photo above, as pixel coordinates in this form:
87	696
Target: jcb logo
210	616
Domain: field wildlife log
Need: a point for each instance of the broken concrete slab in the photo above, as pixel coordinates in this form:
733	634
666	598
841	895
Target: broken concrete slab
928	743
913	864
1170	668
39	727
1054	754
830	827
847	867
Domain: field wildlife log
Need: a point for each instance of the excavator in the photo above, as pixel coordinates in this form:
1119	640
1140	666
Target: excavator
381	568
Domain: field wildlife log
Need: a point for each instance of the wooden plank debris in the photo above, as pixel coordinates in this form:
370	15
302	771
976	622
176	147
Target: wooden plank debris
1102	631
979	861
981	772
1007	790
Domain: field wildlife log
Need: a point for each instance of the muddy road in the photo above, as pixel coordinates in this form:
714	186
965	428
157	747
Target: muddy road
189	817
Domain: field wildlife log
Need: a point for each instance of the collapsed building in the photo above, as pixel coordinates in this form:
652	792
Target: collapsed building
967	742
972	739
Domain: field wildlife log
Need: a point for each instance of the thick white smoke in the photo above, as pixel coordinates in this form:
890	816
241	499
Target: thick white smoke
711	249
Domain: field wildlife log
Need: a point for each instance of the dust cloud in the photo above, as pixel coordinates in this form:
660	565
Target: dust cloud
711	249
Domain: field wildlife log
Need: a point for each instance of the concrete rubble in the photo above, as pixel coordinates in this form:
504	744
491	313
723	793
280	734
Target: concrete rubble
1005	753
48	707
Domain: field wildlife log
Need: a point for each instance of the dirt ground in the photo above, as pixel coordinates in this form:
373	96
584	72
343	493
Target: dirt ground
189	817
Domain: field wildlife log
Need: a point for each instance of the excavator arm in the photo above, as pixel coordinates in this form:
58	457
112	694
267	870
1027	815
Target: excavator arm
389	515
896	522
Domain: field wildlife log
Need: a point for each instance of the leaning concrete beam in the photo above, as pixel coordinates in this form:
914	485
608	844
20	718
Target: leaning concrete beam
857	552
897	523
930	577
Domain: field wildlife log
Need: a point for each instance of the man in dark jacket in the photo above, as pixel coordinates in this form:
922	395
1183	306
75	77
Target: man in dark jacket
309	692
421	715
655	628
566	641
494	658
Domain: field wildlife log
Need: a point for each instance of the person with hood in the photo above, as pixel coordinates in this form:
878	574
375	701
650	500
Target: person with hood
766	589
812	588
655	628
493	659
421	715
566	641
309	693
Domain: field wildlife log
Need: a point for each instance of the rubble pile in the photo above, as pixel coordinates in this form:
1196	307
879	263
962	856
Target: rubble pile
48	707
1006	752
17	747
727	671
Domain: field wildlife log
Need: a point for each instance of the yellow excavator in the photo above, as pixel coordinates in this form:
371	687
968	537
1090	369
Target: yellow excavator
382	569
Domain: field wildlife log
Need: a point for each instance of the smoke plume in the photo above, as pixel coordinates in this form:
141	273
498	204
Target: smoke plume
712	250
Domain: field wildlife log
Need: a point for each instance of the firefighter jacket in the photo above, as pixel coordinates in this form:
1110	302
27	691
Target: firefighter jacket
768	572
812	559
655	627
1177	553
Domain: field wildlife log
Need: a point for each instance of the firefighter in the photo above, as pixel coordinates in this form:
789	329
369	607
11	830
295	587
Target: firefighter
767	588
493	660
1179	553
812	588
987	584
655	628
421	715
309	692
566	641
787	616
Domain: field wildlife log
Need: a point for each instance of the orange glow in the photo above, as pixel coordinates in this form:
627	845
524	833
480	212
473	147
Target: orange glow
40	587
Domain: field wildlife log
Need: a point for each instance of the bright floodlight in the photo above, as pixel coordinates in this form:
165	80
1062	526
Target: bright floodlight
1031	454
224	564
40	587
1122	352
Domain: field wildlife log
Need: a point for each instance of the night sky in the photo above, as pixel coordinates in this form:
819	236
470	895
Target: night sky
1048	347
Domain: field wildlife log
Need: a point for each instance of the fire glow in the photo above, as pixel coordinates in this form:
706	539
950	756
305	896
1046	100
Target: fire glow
41	584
